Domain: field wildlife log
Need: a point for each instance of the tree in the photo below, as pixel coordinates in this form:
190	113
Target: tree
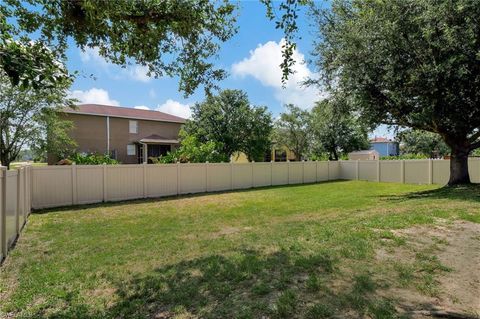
229	120
191	150
422	142
292	130
29	118
336	132
172	37
408	63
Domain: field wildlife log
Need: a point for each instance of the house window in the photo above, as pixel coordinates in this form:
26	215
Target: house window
133	127
131	149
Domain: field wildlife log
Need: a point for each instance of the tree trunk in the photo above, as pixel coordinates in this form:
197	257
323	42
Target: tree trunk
459	167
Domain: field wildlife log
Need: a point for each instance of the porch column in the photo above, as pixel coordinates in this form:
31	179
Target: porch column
145	153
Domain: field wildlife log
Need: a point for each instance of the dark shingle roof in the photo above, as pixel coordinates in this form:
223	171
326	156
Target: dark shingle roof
125	112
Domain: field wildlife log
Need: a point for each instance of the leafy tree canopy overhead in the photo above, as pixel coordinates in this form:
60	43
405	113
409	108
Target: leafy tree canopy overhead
410	63
172	37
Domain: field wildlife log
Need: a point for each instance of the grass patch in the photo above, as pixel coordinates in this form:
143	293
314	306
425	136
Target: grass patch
304	251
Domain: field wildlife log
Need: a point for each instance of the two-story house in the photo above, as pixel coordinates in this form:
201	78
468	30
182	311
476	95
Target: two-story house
129	135
384	146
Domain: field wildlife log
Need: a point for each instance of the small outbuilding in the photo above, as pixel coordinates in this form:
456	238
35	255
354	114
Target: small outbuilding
364	155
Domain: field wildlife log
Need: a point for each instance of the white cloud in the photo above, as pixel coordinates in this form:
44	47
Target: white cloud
92	56
139	73
95	96
175	108
141	107
264	65
136	72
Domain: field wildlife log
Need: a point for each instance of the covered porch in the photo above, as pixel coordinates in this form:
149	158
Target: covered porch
154	146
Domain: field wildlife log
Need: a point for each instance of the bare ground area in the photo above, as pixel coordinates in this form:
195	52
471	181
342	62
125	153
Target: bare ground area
456	245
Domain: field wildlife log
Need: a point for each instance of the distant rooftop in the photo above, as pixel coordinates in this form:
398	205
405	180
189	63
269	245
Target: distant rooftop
381	140
124	112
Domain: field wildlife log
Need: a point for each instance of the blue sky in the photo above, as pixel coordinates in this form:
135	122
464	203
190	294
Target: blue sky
251	57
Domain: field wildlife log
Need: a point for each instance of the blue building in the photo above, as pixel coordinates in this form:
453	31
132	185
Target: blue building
384	146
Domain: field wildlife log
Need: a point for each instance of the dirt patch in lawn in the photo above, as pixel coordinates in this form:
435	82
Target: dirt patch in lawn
454	248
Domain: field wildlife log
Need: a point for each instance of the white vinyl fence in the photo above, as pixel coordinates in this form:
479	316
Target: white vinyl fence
14	205
55	186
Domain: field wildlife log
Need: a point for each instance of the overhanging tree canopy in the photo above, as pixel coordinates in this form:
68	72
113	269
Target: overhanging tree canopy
171	37
409	63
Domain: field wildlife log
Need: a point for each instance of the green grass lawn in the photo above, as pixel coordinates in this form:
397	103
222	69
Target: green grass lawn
306	251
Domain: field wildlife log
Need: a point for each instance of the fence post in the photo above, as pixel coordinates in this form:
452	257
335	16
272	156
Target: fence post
74	184
271	173
104	171
231	175
316	171
357	165
25	198
303	171
328	170
206	176
3	212
430	171
178	178
17	214
288	172
144	167
378	170
251	165
402	171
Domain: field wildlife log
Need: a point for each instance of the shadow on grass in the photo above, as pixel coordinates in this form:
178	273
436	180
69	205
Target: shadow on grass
170	198
461	192
283	284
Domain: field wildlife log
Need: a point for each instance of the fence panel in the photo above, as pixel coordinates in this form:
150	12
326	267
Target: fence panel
161	180
367	170
262	174
219	177
348	170
417	171
280	173
474	169
323	171
309	172
242	175
440	171
295	172
192	178
124	182
89	184
391	171
51	186
11	212
21	197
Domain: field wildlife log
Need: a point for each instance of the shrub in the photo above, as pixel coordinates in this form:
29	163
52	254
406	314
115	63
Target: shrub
92	159
404	157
